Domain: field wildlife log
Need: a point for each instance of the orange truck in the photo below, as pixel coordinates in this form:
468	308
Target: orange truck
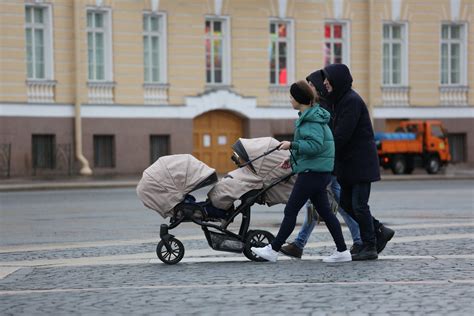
414	143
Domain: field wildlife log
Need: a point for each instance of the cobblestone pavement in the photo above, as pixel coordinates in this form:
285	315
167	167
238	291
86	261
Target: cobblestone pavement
428	268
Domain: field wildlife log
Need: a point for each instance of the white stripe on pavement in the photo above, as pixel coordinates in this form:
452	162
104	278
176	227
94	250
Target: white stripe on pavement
5	271
236	285
111	243
193	254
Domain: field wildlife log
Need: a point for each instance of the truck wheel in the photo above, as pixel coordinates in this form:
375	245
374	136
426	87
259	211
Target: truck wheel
399	164
433	165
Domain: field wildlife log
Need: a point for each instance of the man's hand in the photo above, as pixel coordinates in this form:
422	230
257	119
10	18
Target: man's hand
286	164
284	145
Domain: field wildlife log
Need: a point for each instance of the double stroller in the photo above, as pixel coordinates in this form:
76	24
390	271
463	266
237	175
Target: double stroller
166	188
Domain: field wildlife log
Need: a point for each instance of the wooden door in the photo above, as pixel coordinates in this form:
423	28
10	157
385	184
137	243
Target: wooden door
213	135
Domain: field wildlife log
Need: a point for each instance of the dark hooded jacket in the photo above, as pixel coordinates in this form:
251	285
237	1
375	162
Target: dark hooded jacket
317	79
356	153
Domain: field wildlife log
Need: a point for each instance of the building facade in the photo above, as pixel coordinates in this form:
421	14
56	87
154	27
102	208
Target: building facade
108	86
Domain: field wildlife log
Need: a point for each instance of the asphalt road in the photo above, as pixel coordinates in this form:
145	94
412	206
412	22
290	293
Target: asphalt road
92	252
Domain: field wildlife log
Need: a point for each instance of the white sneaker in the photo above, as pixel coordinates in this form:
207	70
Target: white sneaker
266	253
337	256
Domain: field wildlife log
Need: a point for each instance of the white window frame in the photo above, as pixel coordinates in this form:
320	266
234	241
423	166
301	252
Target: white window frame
290	48
404	53
163	49
346	40
226	50
108	52
463	54
47	37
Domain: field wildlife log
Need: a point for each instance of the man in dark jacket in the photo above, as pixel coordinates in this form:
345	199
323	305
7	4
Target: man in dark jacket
356	163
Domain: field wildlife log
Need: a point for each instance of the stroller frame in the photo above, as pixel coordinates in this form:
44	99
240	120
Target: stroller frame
170	250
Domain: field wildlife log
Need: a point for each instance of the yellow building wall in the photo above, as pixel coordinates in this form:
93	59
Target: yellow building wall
12	52
424	19
250	70
468	16
249	20
64	59
357	13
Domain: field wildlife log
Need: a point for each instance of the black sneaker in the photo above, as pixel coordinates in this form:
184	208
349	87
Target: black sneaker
292	250
366	253
383	235
356	248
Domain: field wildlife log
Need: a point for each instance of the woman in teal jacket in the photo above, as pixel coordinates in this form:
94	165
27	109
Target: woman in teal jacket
313	160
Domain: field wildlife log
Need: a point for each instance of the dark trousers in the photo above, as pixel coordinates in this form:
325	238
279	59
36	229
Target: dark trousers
309	185
355	201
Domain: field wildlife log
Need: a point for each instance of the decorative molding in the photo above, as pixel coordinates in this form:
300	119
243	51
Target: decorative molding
40	91
101	92
279	96
455	9
99	3
282	6
218	7
395	96
156	93
338	6
396	9
423	112
221	99
155	5
188	112
36	110
454	95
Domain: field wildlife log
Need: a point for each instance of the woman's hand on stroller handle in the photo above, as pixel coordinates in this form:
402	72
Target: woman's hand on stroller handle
284	145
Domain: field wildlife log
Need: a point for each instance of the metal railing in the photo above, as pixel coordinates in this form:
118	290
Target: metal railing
62	163
5	159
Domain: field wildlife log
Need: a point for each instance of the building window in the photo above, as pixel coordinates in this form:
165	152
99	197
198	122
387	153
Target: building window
104	151
453	55
38	33
336	44
159	146
154	49
217	42
281	52
43	151
99	48
394	54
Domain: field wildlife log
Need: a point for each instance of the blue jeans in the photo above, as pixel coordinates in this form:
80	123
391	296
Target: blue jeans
307	228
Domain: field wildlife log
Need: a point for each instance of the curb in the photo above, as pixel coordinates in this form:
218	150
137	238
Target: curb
66	186
46	186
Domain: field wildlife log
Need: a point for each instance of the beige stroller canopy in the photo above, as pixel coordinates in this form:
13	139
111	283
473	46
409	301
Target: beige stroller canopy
165	183
260	174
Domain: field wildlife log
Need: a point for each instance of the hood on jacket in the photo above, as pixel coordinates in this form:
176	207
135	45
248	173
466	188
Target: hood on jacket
314	114
317	79
340	79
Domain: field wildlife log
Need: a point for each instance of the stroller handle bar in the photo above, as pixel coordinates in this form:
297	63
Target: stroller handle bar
262	155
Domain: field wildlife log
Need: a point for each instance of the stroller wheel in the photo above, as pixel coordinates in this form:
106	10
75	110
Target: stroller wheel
256	238
170	252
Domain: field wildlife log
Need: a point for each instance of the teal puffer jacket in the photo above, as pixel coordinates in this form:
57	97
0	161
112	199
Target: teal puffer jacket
313	143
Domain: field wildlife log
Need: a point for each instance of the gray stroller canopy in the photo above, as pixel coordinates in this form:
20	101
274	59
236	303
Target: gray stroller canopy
165	183
260	174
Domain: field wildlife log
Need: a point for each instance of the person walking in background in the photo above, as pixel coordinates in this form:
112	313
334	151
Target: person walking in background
313	151
295	248
356	163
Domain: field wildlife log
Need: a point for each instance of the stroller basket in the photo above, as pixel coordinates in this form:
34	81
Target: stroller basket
223	242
